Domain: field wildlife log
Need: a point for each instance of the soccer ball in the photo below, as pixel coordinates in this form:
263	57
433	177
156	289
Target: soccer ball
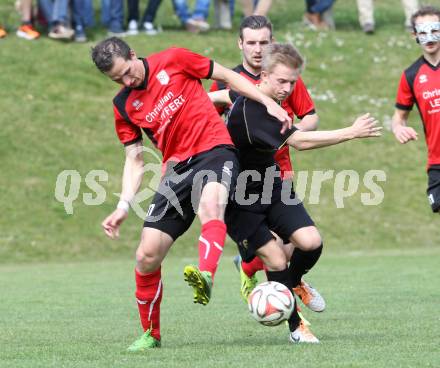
271	303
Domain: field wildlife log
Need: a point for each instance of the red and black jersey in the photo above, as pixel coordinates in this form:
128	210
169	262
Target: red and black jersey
218	86
420	85
171	106
298	103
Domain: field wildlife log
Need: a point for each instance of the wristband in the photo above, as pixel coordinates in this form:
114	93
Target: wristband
123	205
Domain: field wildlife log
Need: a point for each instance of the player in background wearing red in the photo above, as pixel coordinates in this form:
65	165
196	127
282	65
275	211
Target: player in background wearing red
420	85
255	34
163	97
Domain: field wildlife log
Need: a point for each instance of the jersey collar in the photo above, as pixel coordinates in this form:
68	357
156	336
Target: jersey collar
144	83
433	67
248	73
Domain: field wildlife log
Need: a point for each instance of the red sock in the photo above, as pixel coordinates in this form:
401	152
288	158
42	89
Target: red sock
251	268
211	242
149	295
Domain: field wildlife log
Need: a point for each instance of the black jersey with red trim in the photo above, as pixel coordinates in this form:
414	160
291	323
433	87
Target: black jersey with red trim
171	106
420	85
298	103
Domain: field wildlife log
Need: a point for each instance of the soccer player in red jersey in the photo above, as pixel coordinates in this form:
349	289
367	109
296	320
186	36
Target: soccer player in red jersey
420	85
163	97
255	34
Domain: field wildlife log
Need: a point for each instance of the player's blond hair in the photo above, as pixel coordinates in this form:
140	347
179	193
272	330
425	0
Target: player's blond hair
281	53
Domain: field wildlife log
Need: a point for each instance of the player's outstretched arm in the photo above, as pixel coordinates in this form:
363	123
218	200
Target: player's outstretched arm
220	98
363	127
131	182
245	88
401	131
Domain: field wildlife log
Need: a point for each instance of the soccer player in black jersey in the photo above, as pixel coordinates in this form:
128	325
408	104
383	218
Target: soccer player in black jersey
265	204
254	35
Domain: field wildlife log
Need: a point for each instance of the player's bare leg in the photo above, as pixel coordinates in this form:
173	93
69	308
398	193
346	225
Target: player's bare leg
211	213
153	247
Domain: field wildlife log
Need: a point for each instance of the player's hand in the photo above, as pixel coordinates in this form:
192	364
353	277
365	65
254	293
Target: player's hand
365	126
278	112
112	223
405	134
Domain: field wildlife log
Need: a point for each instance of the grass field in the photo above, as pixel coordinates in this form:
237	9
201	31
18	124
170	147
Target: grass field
382	311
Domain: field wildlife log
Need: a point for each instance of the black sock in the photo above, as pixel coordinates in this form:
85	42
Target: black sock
301	262
283	277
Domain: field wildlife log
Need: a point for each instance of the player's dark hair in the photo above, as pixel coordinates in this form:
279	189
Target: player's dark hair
106	51
255	22
424	10
281	53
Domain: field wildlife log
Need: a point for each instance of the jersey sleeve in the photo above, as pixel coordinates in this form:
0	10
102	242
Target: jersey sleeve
127	133
218	86
264	129
300	100
192	64
233	95
405	98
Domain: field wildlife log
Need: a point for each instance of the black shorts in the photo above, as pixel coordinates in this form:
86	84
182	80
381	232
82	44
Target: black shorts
250	226
433	190
176	201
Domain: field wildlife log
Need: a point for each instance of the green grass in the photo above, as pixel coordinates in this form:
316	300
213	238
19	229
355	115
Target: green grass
67	292
382	311
379	272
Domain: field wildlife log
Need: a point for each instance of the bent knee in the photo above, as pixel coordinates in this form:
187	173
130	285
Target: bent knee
309	241
210	211
274	262
312	244
279	265
146	260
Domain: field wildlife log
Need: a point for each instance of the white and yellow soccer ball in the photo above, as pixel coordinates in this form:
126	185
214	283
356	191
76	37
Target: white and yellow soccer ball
271	303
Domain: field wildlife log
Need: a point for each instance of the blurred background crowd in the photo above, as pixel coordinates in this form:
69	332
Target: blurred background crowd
71	19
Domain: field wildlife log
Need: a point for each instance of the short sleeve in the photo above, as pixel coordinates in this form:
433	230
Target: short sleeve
128	133
300	100
263	128
218	86
405	97
192	64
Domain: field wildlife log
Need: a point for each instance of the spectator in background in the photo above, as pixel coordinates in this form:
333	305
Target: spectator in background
256	7
147	21
26	29
83	17
319	14
112	16
223	13
55	12
195	22
366	14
